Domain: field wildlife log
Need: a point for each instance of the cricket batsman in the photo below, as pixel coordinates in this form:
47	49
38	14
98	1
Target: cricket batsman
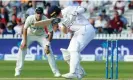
84	32
36	33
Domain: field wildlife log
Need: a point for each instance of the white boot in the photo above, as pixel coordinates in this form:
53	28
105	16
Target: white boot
82	72
17	73
57	74
66	56
69	76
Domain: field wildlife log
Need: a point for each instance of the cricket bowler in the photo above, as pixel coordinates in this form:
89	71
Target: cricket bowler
36	33
83	33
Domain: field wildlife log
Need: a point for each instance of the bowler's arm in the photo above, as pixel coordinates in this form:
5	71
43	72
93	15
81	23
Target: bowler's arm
26	25
50	36
25	35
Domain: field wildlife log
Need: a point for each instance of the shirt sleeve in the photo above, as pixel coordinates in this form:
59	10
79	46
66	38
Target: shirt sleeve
72	10
27	23
50	28
80	9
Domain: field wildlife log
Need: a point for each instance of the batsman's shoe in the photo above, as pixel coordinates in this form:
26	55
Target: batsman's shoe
17	73
83	73
57	74
71	76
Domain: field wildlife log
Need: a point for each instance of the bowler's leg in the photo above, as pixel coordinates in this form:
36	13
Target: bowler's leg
51	58
52	63
20	58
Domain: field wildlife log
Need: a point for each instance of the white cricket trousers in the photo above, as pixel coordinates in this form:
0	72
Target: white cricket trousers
78	42
22	52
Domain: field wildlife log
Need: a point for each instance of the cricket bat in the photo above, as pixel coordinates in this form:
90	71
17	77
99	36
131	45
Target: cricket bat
43	23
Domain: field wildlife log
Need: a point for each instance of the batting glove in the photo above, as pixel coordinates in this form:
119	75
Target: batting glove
69	21
56	21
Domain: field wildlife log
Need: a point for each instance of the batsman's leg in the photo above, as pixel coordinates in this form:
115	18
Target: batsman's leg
74	61
74	64
66	56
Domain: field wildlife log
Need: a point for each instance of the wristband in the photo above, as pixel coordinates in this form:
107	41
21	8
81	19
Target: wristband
48	43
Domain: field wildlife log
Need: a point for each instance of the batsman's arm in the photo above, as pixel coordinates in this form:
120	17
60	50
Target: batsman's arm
70	18
80	10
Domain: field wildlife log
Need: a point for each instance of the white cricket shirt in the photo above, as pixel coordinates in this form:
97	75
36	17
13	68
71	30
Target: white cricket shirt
80	19
35	30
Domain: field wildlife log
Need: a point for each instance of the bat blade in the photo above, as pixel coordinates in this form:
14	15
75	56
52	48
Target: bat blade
43	23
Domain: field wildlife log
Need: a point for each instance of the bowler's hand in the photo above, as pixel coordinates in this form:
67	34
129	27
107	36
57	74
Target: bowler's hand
47	51
23	45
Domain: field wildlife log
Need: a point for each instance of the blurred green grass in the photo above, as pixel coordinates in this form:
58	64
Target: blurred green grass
41	69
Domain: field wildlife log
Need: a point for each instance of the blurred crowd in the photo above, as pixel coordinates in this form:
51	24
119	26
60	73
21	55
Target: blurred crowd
107	16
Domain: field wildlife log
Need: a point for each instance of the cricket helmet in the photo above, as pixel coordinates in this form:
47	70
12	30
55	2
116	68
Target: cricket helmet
39	10
53	11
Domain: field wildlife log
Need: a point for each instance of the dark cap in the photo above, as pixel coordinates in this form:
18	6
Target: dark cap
53	11
39	10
